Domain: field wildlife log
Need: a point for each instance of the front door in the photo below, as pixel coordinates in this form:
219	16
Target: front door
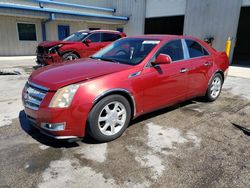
167	83
63	31
93	46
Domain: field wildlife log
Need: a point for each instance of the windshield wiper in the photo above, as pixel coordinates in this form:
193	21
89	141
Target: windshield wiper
104	59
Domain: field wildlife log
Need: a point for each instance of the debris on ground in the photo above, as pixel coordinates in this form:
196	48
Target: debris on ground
11	71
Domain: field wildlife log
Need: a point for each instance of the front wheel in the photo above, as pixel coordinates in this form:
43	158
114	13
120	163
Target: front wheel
109	118
214	87
69	56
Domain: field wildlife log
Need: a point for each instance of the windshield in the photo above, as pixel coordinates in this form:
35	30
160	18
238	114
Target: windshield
76	37
128	50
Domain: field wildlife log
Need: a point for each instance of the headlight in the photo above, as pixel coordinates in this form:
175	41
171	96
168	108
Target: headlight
64	96
54	49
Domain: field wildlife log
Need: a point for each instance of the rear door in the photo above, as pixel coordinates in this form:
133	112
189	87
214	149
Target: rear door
200	64
167	83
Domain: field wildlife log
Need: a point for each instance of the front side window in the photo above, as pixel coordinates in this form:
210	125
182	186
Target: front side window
109	37
26	31
127	50
95	37
195	49
173	49
78	36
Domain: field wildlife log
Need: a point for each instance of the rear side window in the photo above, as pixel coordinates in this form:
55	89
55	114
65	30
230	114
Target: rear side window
195	49
107	37
173	49
95	37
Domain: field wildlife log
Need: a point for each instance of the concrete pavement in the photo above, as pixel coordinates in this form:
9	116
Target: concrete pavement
192	144
243	72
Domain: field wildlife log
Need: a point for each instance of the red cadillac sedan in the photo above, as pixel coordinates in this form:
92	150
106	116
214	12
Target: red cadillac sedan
130	77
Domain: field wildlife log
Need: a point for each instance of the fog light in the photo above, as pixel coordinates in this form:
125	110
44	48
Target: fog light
53	126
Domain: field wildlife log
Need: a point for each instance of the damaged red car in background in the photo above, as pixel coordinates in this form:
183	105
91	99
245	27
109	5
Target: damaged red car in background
78	45
130	77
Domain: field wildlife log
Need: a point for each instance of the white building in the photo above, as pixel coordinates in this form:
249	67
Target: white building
24	23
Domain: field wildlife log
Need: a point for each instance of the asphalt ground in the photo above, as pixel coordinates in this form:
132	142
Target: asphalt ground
192	144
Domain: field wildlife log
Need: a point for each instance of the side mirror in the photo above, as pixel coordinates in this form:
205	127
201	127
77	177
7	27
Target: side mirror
87	41
162	59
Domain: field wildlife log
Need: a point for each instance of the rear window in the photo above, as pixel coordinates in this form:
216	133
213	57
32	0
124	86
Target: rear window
195	49
106	37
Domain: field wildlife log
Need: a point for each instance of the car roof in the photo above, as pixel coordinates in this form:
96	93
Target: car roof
163	37
99	30
154	37
169	37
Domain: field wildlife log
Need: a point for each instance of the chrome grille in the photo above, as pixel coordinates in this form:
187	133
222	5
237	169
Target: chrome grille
33	95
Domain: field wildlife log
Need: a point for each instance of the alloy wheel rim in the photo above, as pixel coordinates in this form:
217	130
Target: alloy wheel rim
215	87
70	57
112	118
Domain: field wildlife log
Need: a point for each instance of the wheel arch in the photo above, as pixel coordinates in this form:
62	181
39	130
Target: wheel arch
221	73
70	51
207	94
119	91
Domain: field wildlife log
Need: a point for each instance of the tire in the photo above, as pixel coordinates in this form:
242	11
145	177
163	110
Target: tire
104	122
69	56
214	88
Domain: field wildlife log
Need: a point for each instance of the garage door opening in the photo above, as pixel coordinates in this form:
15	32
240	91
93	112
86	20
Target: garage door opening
242	49
164	25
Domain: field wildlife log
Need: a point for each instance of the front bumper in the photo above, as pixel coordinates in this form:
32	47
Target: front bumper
74	126
48	133
48	59
38	113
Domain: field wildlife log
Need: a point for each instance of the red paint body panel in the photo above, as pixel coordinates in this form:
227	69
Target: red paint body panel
67	73
198	75
151	88
162	85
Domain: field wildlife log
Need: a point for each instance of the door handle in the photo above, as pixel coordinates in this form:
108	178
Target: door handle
207	64
183	70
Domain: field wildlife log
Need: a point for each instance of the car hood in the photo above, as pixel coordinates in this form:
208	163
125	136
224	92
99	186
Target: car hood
58	75
47	44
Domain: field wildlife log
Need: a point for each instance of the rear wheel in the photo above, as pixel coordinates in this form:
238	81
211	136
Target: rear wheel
109	118
69	56
214	87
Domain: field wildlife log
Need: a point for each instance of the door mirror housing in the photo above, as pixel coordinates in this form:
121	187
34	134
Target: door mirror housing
162	59
87	41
